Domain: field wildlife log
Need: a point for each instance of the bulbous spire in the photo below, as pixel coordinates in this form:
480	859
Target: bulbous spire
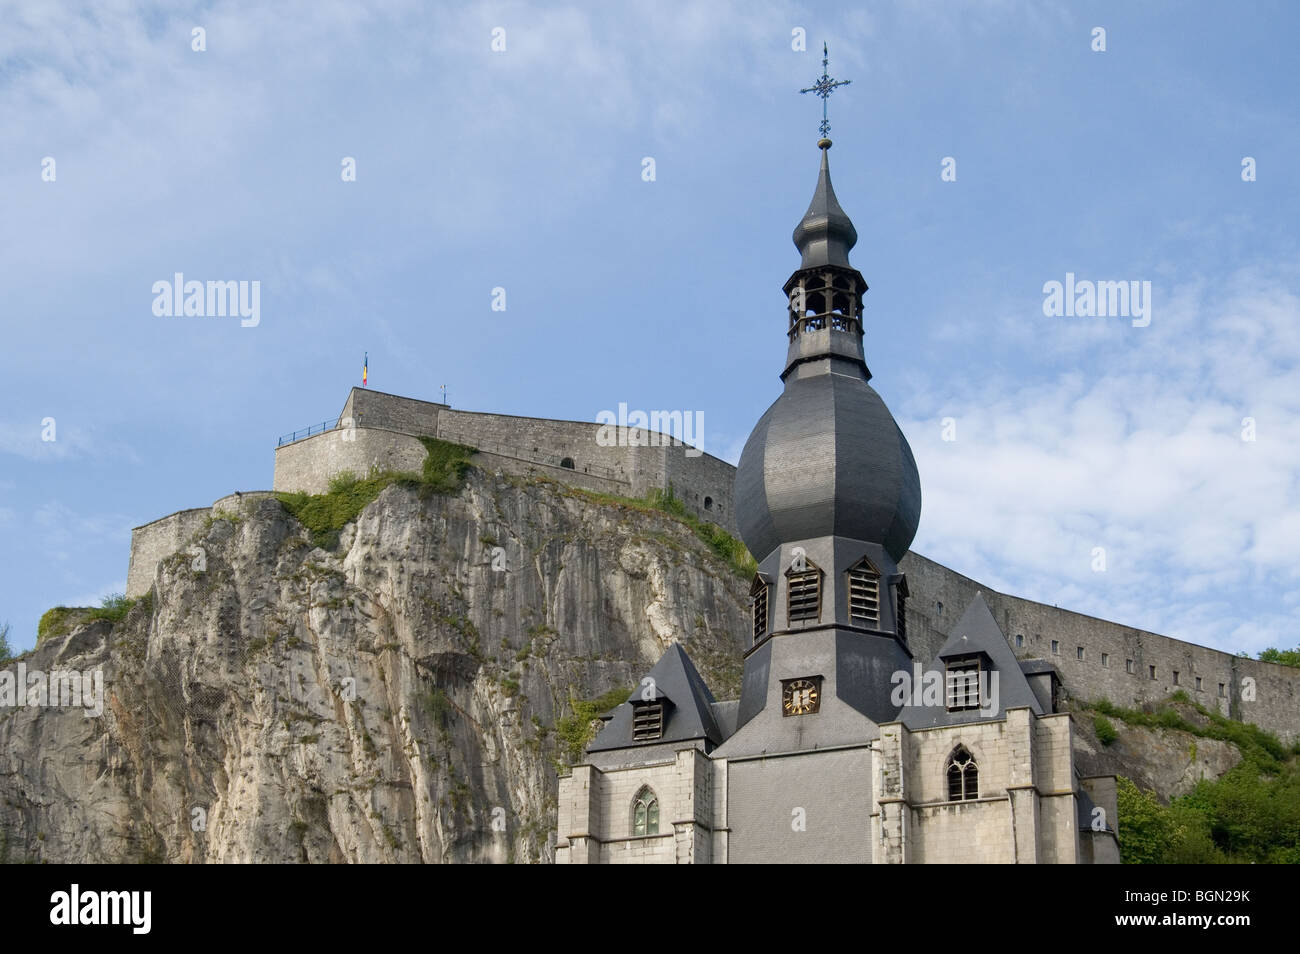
825	234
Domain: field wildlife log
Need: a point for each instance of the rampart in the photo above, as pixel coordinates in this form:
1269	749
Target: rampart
377	429
1098	659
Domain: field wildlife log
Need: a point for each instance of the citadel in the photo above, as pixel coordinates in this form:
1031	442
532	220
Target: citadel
827	755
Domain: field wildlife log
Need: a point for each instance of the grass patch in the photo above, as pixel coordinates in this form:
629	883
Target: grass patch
1257	746
728	548
325	515
114	609
59	621
575	732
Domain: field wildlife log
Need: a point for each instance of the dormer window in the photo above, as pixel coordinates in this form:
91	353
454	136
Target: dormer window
963	684
804	600
864	595
758	592
647	721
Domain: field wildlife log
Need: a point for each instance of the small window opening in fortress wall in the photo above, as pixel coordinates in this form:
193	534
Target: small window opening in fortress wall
1128	665
1078	653
1056	647
1176	677
1222	690
708	503
1198	683
1153	671
567	463
1105	660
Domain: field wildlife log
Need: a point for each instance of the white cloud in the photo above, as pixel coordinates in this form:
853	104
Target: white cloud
1146	460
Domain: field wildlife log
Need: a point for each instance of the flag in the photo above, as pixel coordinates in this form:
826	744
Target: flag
365	370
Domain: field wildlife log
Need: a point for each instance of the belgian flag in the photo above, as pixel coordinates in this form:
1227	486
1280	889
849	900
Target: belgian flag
365	369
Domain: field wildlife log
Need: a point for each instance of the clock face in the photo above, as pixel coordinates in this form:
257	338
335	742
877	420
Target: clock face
801	697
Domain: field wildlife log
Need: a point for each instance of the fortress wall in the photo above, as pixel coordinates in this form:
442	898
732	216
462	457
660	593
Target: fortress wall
528	468
704	483
236	502
631	470
306	466
940	595
369	408
154	542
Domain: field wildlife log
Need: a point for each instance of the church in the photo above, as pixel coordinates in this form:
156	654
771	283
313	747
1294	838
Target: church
843	747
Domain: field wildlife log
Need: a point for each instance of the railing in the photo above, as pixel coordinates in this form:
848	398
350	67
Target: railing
320	428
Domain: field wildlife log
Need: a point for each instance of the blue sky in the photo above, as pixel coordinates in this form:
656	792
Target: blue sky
522	169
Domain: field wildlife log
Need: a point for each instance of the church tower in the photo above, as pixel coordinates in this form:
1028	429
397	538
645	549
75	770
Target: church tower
843	747
828	500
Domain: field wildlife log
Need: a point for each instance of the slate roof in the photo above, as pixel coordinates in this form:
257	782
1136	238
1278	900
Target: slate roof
688	715
825	234
976	632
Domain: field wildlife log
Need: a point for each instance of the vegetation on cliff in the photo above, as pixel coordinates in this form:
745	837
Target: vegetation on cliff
1249	815
729	549
575	732
443	472
1283	657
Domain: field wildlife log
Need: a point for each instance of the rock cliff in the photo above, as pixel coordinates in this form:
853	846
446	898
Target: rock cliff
393	700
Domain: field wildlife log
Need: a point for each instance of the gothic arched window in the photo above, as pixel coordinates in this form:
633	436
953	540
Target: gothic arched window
963	775
645	812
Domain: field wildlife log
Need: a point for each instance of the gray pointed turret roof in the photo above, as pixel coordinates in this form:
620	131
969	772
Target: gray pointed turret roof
977	632
825	234
688	716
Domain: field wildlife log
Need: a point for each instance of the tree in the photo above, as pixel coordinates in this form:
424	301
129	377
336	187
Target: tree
6	651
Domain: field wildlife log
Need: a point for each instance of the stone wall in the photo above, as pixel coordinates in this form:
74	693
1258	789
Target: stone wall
595	813
808	808
306	466
576	452
155	541
1094	656
1026	810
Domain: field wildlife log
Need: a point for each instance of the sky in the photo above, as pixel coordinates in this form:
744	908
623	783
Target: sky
1145	473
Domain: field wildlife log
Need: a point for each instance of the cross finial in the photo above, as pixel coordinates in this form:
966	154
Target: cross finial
823	88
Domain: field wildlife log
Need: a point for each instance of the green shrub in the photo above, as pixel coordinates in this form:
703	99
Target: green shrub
1283	657
325	515
575	732
113	608
1105	729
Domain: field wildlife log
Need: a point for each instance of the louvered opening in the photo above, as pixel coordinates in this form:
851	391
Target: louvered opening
647	721
760	612
864	596
964	686
805	595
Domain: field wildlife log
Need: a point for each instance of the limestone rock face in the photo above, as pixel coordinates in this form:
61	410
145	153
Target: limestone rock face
391	701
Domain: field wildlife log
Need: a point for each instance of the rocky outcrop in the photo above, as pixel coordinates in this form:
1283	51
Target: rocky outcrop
394	700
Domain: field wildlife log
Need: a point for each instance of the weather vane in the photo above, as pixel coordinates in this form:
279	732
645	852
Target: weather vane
823	88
